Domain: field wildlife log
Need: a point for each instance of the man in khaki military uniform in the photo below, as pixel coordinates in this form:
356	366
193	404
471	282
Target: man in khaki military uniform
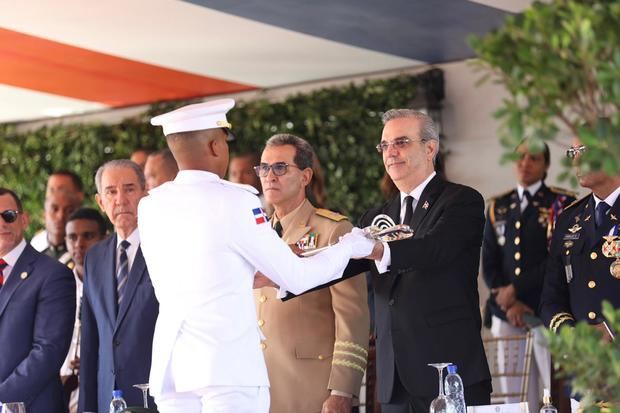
315	346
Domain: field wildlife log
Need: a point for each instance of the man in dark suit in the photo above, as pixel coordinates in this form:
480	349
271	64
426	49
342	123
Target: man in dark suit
514	255
37	308
584	266
119	307
425	286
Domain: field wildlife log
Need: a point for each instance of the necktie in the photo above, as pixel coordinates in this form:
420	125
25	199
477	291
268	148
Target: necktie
527	197
278	228
408	210
601	211
122	270
3	265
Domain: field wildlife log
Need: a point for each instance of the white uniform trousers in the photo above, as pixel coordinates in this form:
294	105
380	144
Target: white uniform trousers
540	367
216	399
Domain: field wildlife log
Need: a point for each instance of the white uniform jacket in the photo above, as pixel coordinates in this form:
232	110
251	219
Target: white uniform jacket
203	238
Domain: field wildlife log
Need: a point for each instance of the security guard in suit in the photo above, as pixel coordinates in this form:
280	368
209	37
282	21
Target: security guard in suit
585	254
514	256
319	342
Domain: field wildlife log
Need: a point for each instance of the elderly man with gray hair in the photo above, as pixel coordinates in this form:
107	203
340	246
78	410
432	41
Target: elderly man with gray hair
119	308
425	286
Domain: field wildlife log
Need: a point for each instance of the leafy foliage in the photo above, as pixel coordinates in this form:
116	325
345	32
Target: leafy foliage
343	124
593	365
560	63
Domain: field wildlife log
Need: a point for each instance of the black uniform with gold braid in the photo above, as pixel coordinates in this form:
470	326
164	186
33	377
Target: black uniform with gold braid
514	249
584	268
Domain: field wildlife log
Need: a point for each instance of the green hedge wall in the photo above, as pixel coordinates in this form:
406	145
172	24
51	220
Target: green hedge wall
342	123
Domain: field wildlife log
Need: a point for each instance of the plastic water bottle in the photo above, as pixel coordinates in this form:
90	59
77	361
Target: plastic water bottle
118	404
547	406
454	389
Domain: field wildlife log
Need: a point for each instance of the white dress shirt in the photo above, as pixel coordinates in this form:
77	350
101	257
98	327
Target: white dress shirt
132	250
12	257
610	200
386	260
532	189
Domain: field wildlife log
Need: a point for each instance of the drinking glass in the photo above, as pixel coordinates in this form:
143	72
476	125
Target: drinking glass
441	404
145	393
13	408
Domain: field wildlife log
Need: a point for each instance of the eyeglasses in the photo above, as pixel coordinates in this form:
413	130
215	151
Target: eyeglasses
398	143
278	168
572	152
10	215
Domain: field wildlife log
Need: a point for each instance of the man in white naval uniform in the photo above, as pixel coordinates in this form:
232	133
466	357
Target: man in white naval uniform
203	239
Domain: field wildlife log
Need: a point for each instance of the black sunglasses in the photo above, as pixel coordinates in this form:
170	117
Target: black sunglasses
9	216
278	168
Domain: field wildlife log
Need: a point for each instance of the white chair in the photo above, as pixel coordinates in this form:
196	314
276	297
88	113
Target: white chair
509	357
500	408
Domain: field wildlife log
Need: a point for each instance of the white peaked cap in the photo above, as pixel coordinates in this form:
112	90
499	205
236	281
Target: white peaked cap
200	116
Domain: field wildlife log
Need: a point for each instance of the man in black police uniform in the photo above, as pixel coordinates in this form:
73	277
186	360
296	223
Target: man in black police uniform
514	254
584	268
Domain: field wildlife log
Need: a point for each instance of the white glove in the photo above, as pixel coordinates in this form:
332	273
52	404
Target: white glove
360	245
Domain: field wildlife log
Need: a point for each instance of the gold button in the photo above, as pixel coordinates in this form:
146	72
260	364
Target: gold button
517	255
593	255
518	224
567	252
591	315
263	345
261	323
591	284
321	357
262	298
517	241
517	271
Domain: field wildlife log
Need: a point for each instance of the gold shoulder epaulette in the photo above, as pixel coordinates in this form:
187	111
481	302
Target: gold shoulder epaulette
562	191
503	194
576	202
334	216
492	211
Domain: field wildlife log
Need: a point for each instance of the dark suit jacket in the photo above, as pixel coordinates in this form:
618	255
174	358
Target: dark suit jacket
37	312
427	305
116	349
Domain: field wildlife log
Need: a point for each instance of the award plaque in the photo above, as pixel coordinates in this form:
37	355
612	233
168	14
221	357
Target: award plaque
384	229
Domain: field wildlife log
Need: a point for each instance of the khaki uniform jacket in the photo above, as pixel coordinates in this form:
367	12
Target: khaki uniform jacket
318	342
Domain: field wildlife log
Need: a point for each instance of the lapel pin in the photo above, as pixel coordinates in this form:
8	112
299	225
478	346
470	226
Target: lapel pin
613	217
425	206
23	275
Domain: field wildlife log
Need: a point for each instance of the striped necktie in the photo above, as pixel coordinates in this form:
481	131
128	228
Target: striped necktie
3	265
122	270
